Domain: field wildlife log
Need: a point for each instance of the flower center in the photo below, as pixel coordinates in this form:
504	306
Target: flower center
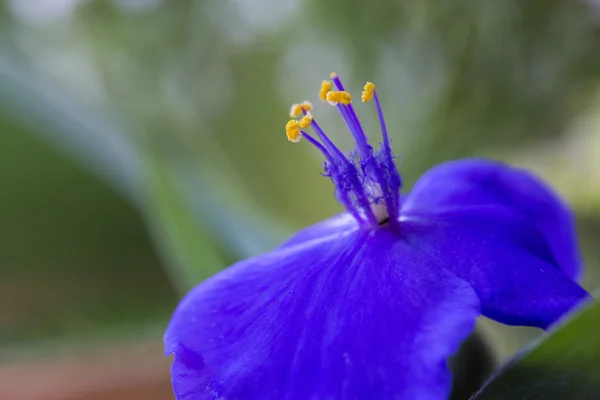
366	182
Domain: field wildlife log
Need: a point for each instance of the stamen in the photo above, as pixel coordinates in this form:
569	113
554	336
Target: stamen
297	108
292	130
337	153
370	216
389	159
353	123
368	91
343	97
337	159
367	187
384	132
325	88
319	146
306	121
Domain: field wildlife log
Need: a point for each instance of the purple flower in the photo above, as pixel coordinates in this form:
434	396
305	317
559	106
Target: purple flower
369	305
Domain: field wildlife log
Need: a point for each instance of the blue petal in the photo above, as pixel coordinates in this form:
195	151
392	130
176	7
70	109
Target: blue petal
360	316
506	260
337	224
478	182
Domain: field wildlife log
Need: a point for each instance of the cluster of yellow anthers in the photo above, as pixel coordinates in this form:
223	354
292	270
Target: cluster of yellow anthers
293	127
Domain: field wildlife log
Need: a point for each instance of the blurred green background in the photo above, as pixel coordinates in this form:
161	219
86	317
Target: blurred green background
142	149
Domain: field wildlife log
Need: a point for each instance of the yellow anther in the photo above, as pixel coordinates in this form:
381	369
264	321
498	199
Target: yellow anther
292	130
305	121
325	88
296	109
339	97
368	91
332	75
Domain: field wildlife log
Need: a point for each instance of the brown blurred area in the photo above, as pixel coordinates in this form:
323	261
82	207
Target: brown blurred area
119	372
83	297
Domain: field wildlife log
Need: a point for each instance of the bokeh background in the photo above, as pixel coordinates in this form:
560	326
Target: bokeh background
142	149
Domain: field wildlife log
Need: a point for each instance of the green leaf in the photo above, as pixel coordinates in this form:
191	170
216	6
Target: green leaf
238	227
472	365
563	364
190	253
192	223
93	138
198	228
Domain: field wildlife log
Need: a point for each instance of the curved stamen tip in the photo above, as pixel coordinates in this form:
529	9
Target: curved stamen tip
368	91
325	88
335	97
292	130
296	109
306	121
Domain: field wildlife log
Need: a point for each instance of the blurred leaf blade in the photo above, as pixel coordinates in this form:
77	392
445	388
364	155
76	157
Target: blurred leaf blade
240	228
563	364
95	140
188	220
200	225
190	252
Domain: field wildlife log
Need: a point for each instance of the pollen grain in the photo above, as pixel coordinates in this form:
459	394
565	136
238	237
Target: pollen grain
339	97
368	91
296	109
305	121
325	88
292	130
